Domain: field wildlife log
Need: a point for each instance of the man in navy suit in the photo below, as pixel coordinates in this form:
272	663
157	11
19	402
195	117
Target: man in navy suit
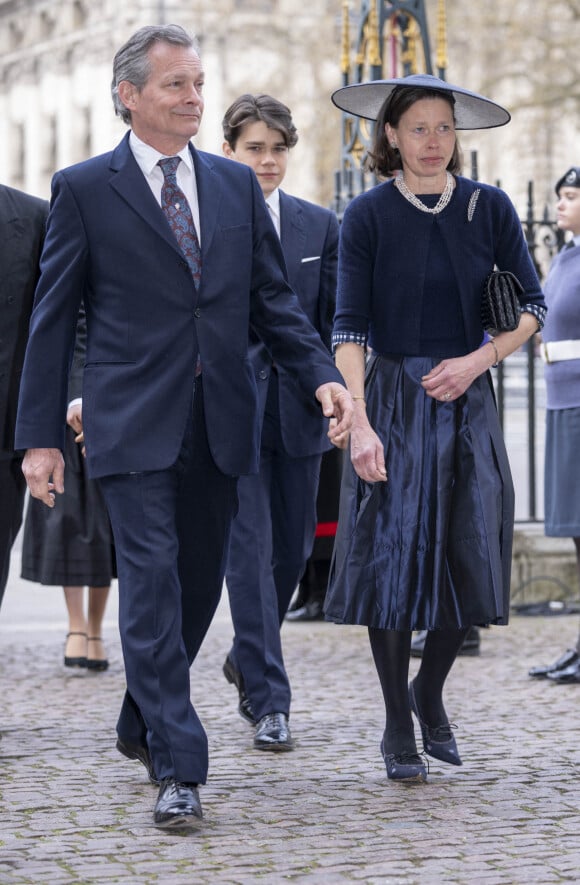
22	227
170	405
273	532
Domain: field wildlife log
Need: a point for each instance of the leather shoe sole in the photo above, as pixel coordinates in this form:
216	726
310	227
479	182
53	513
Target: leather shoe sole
234	677
141	753
273	733
469	649
310	611
568	659
567	676
177	807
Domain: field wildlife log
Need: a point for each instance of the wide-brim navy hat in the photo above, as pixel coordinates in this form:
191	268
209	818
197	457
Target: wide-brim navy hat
570	179
472	111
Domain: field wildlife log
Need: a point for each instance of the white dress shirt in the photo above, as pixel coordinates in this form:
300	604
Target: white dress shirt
273	204
147	158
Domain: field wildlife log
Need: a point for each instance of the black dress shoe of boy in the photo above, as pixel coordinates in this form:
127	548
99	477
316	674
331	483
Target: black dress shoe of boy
310	611
407	767
178	806
138	751
567	676
234	677
438	741
569	658
273	733
469	648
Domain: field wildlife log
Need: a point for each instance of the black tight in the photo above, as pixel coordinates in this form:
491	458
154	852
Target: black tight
391	652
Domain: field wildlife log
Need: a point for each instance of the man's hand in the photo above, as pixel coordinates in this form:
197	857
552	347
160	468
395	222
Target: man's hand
74	419
336	403
40	466
367	454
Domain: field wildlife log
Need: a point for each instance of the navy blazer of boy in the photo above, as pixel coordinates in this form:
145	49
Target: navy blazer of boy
273	533
309	237
109	244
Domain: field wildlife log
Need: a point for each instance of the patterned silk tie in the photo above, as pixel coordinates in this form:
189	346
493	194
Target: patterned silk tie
178	213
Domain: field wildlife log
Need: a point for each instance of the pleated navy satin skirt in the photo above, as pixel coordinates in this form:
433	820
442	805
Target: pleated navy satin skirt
431	547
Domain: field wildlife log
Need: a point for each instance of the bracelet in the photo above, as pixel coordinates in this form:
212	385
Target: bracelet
497	359
359	397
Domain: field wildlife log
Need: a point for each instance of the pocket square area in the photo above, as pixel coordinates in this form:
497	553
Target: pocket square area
311	258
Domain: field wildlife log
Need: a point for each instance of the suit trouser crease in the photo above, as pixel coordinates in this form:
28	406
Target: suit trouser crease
171	530
272	537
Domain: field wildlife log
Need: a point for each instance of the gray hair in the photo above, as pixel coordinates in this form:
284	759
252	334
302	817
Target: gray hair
132	62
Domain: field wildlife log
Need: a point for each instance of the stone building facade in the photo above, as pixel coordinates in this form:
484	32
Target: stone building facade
55	66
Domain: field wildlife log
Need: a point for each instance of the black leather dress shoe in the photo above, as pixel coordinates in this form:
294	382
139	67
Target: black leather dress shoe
470	647
138	751
234	677
567	676
438	741
310	611
273	733
568	659
178	806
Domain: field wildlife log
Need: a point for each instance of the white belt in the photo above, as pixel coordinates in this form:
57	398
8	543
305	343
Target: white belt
556	351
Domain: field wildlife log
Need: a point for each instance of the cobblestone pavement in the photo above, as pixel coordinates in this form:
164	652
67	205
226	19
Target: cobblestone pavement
74	811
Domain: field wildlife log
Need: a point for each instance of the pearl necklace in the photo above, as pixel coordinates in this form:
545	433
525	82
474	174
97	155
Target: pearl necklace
442	202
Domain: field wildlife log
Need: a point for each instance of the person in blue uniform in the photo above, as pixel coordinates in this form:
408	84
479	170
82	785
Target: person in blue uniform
561	353
273	532
426	515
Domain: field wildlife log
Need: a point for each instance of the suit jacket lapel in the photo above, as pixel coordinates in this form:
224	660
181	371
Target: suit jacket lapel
209	194
130	183
292	232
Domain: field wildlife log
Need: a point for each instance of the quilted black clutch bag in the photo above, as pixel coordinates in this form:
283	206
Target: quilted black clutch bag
500	306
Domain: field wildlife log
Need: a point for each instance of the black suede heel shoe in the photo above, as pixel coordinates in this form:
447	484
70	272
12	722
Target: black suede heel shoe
407	767
80	661
438	742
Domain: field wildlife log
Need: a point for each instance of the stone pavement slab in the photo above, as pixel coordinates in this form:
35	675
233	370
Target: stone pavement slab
75	811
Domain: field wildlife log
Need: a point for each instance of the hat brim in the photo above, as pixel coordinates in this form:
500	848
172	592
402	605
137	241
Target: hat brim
472	111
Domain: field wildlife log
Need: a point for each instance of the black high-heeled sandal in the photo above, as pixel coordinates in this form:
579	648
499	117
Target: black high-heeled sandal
80	661
96	663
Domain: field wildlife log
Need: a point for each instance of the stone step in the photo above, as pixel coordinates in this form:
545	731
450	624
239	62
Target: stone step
543	568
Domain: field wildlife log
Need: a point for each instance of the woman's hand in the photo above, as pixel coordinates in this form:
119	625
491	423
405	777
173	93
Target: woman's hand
450	378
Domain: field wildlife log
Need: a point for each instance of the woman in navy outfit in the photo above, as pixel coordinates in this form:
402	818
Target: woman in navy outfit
426	515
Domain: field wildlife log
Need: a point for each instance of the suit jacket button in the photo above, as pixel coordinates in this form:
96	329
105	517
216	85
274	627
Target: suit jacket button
263	374
197	312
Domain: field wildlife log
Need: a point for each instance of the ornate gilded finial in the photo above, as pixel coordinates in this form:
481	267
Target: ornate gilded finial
414	46
374	52
408	50
345	57
441	51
